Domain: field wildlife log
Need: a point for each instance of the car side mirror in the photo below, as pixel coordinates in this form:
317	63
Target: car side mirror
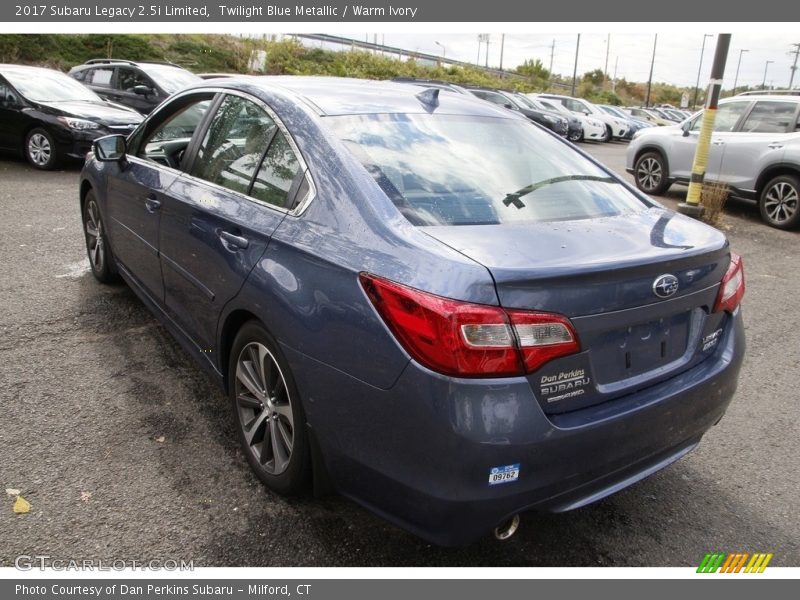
110	148
509	106
686	127
142	90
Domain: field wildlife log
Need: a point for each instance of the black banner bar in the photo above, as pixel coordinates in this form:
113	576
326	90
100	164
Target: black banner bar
372	11
396	589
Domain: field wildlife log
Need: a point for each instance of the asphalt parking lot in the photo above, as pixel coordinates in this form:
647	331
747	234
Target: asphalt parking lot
125	449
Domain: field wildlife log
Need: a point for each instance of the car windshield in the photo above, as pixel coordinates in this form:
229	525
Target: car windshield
527	102
43	85
467	170
516	100
170	79
558	107
614	111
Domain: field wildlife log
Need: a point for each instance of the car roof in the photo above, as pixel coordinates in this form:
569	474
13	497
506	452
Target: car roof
751	97
8	68
347	96
95	62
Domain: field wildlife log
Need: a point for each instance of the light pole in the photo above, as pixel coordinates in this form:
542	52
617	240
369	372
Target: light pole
697	85
650	79
738	64
764	83
444	50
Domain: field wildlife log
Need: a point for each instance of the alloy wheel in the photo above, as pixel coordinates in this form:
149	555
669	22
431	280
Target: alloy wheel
780	202
649	174
94	237
264	408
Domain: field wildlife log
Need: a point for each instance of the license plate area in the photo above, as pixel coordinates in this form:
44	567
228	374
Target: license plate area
637	349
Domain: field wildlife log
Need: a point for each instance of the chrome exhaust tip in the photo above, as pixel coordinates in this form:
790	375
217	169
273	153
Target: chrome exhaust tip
507	529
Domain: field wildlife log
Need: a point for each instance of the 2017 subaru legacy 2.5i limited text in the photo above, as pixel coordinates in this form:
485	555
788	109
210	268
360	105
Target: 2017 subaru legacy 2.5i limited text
445	311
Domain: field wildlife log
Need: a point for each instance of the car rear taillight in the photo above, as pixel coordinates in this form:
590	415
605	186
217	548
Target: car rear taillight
465	339
731	288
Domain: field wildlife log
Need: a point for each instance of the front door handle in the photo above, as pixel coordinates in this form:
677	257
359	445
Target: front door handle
232	241
775	145
151	203
718	143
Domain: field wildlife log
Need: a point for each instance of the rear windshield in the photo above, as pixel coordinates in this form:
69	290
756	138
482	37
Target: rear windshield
465	170
171	79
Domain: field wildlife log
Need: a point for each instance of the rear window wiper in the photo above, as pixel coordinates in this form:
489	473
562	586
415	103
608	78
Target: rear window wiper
514	197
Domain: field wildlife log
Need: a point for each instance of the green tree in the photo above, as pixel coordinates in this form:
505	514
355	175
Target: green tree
595	77
534	69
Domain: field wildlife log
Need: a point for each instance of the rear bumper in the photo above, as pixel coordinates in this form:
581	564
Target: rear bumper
420	454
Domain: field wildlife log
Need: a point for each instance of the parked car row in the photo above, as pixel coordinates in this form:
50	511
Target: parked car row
48	116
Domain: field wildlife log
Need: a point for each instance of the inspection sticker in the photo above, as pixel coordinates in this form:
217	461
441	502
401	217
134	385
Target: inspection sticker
507	474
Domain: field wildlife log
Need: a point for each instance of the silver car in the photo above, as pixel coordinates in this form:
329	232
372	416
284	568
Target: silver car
755	149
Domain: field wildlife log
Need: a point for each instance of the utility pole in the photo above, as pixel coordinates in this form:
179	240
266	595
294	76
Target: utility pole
764	83
608	47
793	68
692	205
502	47
553	51
480	39
614	80
738	64
650	80
697	85
487	50
575	68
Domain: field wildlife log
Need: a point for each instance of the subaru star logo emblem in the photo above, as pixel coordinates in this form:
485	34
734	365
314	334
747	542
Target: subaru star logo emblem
665	286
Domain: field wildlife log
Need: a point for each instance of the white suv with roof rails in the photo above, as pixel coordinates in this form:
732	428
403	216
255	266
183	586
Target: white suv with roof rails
755	149
615	128
593	129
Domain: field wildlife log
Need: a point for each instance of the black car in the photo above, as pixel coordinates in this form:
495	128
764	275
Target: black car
548	119
574	126
140	85
48	116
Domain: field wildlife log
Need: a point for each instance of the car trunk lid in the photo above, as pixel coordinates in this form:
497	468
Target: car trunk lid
604	274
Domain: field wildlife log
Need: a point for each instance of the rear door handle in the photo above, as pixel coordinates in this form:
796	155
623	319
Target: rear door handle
151	203
232	241
718	143
775	145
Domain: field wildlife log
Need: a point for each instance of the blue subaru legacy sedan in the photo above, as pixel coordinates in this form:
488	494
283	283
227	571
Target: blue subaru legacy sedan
423	301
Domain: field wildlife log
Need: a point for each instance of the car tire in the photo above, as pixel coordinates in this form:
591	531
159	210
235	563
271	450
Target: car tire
650	173
779	202
40	149
267	412
576	137
101	260
607	135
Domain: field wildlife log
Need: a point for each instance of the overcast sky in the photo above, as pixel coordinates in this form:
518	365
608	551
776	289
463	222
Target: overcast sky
677	54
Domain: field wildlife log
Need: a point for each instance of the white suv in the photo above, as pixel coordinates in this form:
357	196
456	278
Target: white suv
592	129
615	128
755	149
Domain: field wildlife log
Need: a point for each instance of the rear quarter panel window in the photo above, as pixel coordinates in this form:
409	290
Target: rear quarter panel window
100	77
771	117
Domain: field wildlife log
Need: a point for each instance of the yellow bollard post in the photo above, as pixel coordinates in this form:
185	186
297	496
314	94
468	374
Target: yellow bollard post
692	206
